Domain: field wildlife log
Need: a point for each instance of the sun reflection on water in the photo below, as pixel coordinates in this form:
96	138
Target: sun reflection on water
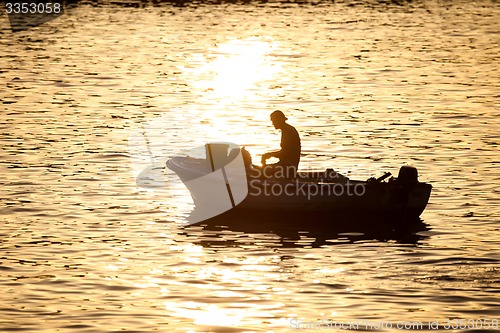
237	315
230	307
233	84
239	66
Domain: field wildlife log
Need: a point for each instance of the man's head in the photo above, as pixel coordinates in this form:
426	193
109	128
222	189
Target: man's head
278	119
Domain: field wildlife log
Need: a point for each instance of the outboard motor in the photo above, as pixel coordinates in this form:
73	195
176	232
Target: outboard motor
408	176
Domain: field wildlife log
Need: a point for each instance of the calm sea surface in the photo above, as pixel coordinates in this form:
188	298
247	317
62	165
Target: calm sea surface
369	86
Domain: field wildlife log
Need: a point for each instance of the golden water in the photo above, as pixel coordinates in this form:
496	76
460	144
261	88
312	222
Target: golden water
369	87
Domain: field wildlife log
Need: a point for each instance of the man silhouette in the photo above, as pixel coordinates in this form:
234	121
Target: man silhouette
289	155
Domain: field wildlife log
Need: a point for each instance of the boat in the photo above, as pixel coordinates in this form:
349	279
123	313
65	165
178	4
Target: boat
224	185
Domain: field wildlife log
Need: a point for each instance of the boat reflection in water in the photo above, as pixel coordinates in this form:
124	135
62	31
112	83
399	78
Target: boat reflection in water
275	230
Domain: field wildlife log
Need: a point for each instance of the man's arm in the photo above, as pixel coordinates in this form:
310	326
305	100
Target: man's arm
267	156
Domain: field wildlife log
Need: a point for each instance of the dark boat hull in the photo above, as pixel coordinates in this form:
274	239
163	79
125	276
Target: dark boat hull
337	203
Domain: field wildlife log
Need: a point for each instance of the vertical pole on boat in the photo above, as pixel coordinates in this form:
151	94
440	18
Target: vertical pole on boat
209	149
228	187
229	192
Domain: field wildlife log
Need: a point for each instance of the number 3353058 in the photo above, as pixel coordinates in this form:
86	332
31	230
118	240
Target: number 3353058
33	8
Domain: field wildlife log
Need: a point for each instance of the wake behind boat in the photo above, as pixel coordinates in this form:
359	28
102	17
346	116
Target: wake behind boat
225	183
